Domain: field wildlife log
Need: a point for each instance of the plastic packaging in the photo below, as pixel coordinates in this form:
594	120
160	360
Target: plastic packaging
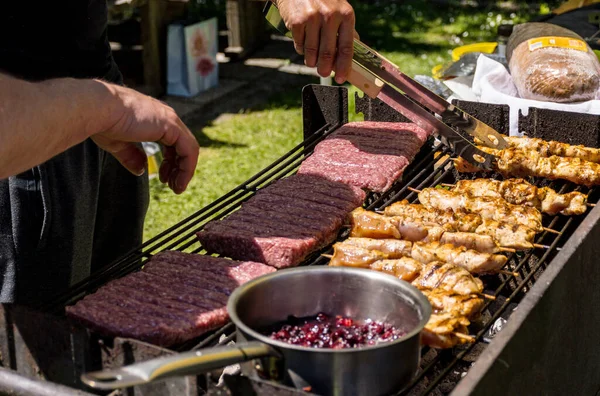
551	63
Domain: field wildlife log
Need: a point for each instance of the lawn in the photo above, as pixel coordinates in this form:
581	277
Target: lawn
416	35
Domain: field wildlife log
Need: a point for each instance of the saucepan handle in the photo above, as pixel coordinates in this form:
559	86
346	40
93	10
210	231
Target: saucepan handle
188	363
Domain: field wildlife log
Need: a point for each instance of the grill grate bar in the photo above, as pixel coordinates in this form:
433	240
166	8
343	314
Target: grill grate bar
494	317
527	277
428	170
219	208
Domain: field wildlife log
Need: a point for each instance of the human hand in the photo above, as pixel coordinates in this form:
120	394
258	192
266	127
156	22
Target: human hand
139	118
323	31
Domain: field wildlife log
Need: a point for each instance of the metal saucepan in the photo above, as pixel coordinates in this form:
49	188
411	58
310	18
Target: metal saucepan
350	292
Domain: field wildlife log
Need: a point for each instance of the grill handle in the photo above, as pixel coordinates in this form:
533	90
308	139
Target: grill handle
188	363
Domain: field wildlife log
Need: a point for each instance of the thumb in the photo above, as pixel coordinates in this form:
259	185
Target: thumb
132	157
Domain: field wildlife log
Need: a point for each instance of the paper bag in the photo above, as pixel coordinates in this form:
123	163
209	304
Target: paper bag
192	58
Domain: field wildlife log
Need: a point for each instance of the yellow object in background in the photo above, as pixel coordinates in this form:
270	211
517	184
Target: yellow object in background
154	154
573	5
485	47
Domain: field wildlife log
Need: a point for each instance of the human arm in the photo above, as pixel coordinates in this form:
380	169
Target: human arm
40	120
323	31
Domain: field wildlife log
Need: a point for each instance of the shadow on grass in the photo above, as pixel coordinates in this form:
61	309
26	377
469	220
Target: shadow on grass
205	141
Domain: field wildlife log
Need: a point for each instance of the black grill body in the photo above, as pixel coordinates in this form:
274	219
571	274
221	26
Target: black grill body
550	326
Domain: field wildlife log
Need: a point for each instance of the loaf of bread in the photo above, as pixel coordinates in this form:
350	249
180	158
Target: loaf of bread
550	63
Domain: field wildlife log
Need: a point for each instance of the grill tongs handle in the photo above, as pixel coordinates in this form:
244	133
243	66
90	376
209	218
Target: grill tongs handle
379	78
187	363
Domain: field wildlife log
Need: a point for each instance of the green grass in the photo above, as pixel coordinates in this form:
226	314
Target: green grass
416	35
232	150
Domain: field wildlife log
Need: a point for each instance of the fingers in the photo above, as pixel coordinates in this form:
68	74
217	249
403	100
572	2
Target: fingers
343	62
299	35
169	163
328	44
132	157
181	158
311	43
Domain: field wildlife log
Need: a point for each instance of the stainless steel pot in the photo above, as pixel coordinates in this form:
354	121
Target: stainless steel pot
351	292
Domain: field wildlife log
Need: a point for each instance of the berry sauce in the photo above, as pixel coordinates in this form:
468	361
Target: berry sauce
323	331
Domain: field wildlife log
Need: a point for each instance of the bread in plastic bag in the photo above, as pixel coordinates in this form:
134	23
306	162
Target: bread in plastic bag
553	64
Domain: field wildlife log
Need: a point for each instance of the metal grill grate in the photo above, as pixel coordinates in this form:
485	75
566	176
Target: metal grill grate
181	237
440	370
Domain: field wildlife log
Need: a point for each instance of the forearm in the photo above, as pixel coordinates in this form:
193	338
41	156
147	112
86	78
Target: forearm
40	120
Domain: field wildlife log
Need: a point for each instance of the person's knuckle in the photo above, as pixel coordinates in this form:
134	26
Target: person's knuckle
295	24
347	13
346	50
326	55
309	50
329	15
311	15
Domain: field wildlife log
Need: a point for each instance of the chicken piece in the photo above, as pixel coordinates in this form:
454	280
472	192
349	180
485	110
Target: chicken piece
520	192
513	236
569	204
441	331
367	224
470	240
548	148
473	261
371	225
487	208
352	256
469	306
394	248
448	277
404	268
523	163
464	222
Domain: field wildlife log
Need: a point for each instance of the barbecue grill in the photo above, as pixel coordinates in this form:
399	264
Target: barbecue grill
538	336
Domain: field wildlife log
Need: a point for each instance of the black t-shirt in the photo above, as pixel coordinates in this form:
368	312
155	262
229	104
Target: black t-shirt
64	38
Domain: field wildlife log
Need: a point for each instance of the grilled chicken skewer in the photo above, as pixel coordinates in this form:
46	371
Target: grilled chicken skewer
434	275
507	235
548	148
348	254
373	225
488	208
463	222
458	304
445	330
522	163
367	224
452	292
451	289
520	192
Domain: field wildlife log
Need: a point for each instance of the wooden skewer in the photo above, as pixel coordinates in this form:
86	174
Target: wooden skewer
488	296
591	205
537	245
329	256
413	190
508	250
515	274
464	337
550	230
448	185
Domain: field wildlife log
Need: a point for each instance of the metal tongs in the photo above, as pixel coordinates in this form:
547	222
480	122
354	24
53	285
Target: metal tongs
379	78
